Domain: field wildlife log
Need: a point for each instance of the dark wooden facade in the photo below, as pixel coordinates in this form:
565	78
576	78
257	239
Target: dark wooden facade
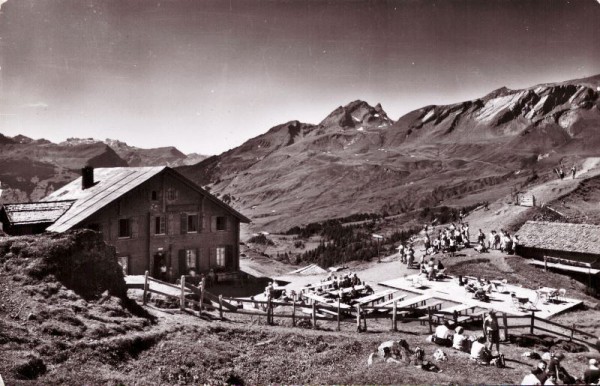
167	219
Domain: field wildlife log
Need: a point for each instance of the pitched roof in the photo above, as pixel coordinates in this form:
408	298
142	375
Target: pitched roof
36	212
112	183
581	238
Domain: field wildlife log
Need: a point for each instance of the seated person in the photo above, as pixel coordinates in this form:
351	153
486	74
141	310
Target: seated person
554	367
460	341
443	334
481	248
533	378
479	352
481	295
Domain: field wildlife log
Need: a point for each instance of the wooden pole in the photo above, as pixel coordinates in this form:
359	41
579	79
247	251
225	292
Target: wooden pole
338	315
182	297
358	318
545	264
572	331
532	322
269	310
202	287
505	321
455	317
144	300
430	314
395	317
314	315
294	312
221	307
364	318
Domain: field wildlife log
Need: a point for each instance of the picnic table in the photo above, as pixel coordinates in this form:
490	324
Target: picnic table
324	300
549	293
374	297
346	290
319	285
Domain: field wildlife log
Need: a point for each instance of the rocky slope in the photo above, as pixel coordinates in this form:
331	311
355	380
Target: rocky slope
359	160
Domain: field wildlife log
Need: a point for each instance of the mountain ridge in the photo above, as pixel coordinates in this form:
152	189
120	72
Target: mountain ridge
357	159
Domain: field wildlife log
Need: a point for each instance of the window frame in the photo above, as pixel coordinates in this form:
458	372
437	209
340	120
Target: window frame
191	255
194	223
161	226
128	226
221	254
224	223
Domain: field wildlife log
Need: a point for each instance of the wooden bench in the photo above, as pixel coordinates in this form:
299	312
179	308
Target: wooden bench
386	305
472	317
434	305
317	314
374	297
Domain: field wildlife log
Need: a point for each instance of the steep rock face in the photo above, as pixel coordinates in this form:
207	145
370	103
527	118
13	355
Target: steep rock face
358	160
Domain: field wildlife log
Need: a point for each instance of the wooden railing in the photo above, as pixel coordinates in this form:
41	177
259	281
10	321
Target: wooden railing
338	314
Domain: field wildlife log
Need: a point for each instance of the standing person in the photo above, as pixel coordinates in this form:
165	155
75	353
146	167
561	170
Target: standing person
592	374
573	170
481	237
491	330
561	173
163	271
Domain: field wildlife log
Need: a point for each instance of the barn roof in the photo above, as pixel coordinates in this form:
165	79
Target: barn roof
110	184
36	212
581	238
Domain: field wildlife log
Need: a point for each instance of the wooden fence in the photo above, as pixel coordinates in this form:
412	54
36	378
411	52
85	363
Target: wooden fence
337	314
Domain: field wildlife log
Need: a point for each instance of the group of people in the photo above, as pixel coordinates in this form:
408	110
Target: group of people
560	172
450	239
502	241
480	348
553	373
343	281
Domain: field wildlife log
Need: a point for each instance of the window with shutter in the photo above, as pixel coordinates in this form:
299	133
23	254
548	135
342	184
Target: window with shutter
159	225
192	223
134	227
183	223
181	265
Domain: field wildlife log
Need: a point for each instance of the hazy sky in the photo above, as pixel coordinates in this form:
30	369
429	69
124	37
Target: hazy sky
207	75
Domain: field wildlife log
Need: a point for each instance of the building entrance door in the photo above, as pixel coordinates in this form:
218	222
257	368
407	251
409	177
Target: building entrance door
159	266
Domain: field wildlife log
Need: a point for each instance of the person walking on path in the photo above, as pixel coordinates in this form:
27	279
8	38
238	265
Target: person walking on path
573	171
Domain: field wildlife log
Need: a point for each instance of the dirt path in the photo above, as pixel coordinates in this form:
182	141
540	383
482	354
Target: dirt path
501	213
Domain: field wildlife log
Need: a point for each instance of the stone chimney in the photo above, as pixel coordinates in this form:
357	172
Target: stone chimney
87	177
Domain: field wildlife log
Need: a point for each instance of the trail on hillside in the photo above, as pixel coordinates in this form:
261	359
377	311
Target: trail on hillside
502	212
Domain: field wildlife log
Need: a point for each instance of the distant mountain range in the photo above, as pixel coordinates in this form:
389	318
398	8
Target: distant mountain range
359	160
356	159
31	169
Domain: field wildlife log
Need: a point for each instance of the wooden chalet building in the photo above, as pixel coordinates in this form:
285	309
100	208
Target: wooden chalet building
574	248
152	215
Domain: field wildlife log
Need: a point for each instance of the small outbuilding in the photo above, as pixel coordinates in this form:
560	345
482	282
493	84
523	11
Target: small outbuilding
573	248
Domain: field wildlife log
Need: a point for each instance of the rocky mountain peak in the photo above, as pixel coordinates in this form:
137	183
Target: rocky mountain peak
358	115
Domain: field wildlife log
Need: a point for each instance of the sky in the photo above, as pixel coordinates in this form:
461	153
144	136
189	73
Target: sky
205	76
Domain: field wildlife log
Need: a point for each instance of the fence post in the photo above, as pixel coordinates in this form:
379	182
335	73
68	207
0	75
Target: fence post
145	288
294	312
269	310
505	326
364	318
545	264
182	297
572	331
358	318
394	317
430	314
338	315
532	322
221	307
314	314
202	286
